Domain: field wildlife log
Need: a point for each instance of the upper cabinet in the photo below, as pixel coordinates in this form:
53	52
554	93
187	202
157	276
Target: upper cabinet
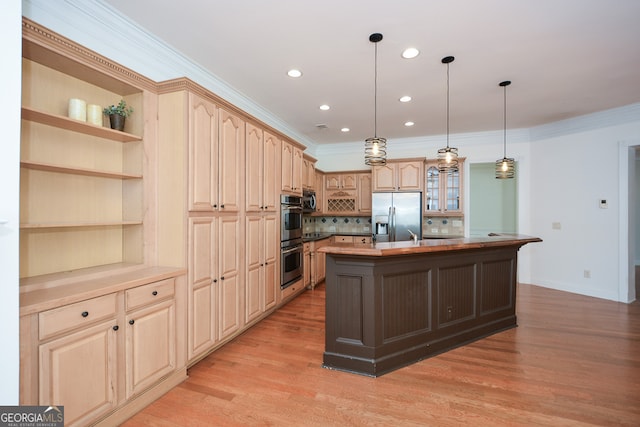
347	193
443	191
291	168
364	193
216	139
262	158
308	173
82	185
341	181
398	176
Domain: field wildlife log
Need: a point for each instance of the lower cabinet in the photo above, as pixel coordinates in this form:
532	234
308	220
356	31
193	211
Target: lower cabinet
306	266
150	340
94	355
79	370
320	262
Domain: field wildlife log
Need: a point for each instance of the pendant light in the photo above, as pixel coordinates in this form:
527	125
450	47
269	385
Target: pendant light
505	167
375	148
448	156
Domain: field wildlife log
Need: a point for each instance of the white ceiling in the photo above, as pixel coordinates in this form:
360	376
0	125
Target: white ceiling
565	58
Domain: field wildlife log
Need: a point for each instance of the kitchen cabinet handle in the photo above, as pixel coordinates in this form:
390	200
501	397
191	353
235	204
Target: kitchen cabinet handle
215	280
85	313
221	206
222	278
115	328
131	322
154	293
215	206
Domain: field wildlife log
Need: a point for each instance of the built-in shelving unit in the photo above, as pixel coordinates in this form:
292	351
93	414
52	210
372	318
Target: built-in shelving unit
83	201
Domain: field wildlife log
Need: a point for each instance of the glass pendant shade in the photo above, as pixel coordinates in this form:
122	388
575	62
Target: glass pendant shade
505	167
448	156
375	148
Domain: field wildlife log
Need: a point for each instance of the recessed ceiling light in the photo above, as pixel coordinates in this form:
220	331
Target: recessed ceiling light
411	52
405	98
345	129
294	73
409	124
324	107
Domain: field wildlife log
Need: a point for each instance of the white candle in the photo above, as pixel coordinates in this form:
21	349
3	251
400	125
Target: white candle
77	109
94	114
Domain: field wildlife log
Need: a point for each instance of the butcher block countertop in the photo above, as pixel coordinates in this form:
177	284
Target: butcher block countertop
382	249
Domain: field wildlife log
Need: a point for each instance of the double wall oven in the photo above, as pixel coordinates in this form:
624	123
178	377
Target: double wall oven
291	248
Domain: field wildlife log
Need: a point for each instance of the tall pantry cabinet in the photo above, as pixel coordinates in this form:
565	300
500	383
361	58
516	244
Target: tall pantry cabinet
201	154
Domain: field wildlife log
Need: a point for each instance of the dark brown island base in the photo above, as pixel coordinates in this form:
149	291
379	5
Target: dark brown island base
392	304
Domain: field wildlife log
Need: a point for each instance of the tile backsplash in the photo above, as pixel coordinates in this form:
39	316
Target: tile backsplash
442	226
336	224
431	226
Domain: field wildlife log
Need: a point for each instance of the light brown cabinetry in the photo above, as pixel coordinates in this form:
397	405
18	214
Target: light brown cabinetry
82	186
261	166
216	140
94	355
346	193
291	168
364	193
261	265
150	335
341	181
398	176
79	367
319	271
308	173
306	281
319	186
443	193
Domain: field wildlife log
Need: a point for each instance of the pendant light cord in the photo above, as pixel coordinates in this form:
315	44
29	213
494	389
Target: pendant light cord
505	121
375	92
447	105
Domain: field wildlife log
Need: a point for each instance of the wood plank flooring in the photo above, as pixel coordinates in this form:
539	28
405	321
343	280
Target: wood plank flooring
572	361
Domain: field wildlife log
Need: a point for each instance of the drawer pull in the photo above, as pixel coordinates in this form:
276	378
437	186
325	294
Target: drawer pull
115	328
131	322
154	293
85	313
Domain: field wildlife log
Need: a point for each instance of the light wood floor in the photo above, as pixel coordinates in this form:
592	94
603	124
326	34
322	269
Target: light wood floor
572	361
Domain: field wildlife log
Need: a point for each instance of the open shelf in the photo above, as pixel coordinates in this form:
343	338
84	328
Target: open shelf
66	123
46	167
26	226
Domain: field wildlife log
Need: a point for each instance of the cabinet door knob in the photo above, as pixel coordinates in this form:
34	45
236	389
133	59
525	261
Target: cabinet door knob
131	322
222	278
221	206
215	206
215	280
115	328
85	313
154	293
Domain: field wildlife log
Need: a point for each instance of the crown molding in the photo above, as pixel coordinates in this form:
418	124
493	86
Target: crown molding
87	21
601	119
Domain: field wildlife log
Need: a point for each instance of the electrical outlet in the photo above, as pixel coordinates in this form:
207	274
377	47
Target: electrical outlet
603	203
556	225
587	274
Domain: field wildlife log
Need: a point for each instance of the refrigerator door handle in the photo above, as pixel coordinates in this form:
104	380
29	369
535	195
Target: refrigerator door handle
393	215
390	224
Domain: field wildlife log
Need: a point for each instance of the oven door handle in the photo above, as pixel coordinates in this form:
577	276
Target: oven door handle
293	208
290	250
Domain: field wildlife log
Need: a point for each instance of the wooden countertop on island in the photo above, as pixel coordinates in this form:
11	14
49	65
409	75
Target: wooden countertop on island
381	249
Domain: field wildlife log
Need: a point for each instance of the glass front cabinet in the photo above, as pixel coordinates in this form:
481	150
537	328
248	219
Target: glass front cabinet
442	190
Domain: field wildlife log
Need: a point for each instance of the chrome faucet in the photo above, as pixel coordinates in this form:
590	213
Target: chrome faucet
414	236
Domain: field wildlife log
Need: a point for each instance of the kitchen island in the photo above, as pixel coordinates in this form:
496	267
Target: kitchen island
392	304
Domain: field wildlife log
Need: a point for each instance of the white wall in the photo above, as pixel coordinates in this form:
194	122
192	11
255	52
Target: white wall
11	35
572	173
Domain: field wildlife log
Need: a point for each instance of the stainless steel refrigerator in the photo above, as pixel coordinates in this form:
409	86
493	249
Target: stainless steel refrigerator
396	215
